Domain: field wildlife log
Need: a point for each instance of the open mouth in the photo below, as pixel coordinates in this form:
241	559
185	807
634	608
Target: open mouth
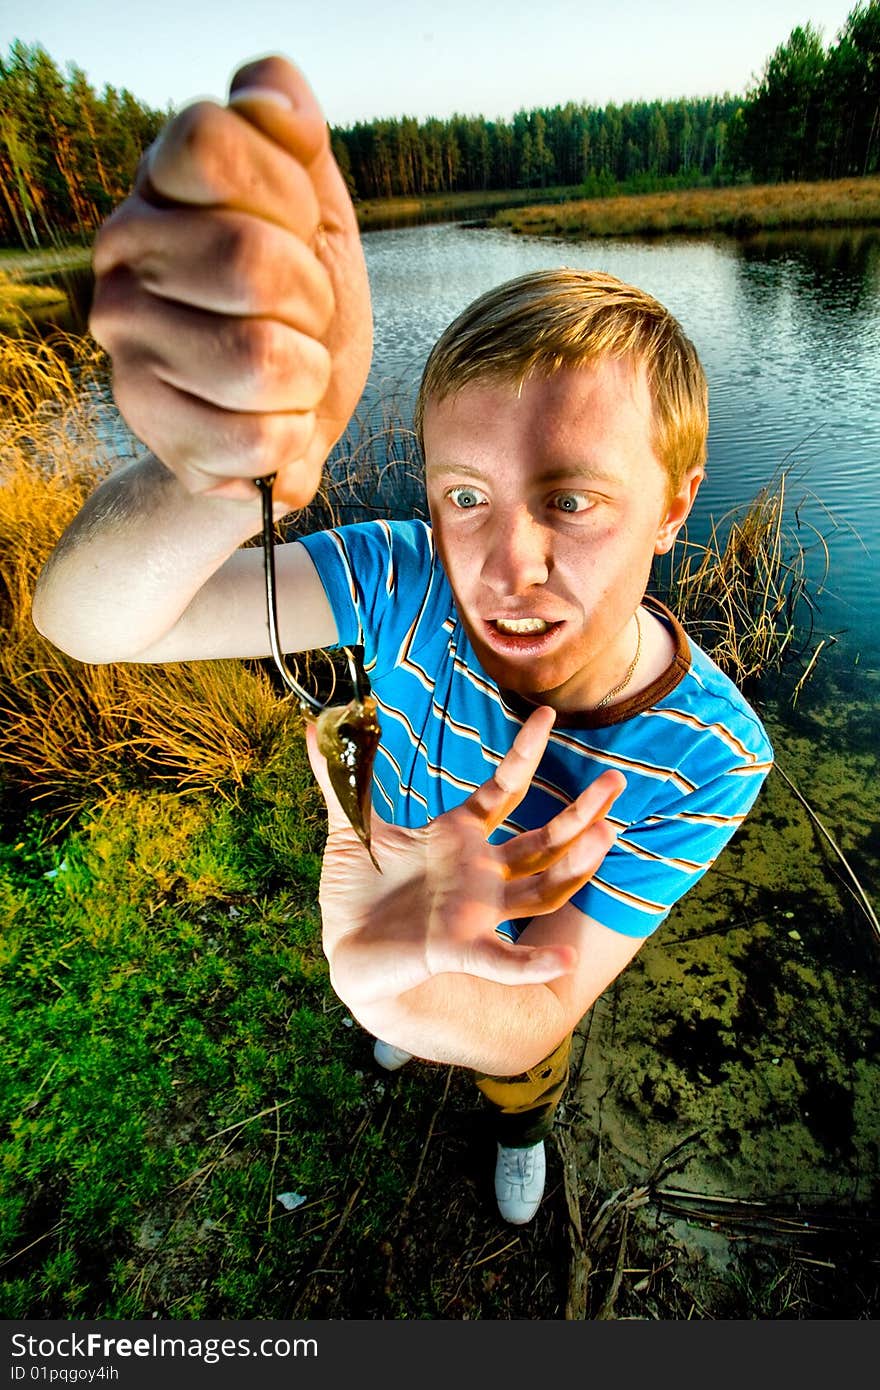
525	635
520	627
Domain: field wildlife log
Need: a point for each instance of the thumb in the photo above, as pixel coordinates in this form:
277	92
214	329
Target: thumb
275	97
507	963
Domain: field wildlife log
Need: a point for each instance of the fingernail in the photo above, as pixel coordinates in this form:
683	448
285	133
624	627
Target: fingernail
260	94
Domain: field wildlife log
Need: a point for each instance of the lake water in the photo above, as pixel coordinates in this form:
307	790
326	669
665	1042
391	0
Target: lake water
788	329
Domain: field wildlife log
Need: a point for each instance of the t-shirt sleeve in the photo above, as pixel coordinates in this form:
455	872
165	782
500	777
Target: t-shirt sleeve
376	575
655	861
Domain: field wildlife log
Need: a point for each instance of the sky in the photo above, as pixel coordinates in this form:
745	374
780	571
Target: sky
372	58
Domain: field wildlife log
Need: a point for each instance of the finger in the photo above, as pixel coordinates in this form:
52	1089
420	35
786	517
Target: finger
509	964
247	364
544	892
536	850
206	446
227	262
495	799
213	157
301	130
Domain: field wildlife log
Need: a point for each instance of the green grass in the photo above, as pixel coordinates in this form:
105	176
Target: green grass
172	1056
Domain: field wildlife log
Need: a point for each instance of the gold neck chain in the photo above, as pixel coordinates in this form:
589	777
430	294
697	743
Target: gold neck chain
631	669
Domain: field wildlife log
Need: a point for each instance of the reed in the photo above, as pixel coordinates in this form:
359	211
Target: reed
738	211
77	734
744	594
18	299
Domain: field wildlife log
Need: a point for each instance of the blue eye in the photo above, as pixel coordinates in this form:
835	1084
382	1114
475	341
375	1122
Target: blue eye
465	498
570	502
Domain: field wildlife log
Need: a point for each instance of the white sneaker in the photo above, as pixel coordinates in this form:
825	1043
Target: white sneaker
519	1182
389	1057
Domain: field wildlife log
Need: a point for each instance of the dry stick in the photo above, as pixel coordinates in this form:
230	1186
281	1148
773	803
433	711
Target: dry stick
34	1100
494	1254
571	1182
606	1312
619	1204
611	1207
813	659
803	1220
53	1230
457	1266
665	1165
580	1264
758	1228
272	1198
707	1197
231	1129
270	1110
857	890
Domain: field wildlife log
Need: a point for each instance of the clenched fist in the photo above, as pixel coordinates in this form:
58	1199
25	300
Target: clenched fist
231	292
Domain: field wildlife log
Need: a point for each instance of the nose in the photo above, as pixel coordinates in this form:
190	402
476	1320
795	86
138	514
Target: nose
518	556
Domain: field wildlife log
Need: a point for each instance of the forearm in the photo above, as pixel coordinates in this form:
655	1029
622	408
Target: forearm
131	561
461	1020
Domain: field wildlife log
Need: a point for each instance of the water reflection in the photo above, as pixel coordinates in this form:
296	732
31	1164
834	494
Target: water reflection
72	317
838	259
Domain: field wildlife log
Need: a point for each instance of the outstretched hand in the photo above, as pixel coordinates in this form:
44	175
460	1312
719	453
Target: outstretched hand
444	889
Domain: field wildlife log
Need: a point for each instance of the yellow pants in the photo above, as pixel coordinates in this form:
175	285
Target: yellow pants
525	1105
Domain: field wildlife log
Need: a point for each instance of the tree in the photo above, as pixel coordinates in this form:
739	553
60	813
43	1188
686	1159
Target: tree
66	155
851	116
658	144
782	114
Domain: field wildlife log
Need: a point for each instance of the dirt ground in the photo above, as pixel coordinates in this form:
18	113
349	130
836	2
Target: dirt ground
747	1033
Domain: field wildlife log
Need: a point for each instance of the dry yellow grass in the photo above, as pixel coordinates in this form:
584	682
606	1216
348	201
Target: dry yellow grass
381	212
743	594
739	210
77	733
18	299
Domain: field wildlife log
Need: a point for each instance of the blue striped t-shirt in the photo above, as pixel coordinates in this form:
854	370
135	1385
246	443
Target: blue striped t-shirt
693	752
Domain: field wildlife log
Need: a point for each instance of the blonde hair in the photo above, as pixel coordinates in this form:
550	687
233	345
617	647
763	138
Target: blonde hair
542	322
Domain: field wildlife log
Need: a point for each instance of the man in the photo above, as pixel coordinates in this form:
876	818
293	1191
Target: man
558	764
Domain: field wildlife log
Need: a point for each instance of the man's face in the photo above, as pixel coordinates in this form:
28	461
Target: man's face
547	508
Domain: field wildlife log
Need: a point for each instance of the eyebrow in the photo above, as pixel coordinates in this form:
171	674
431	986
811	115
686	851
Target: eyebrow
588	472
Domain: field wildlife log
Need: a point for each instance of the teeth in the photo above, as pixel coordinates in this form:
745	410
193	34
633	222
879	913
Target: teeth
518	626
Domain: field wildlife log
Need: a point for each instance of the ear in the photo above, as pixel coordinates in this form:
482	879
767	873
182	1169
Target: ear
678	510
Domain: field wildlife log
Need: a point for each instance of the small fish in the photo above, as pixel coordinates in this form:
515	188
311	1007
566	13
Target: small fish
348	736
